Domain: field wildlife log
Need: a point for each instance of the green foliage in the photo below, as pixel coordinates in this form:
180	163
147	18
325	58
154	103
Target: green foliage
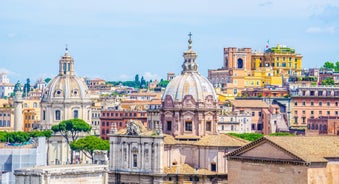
88	144
3	136
47	80
247	136
331	65
328	65
44	133
20	137
71	129
163	83
281	134
72	126
327	81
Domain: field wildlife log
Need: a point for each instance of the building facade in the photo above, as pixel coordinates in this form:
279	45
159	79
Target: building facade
313	102
65	97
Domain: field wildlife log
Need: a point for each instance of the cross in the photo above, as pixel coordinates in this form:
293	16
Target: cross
190	35
66	47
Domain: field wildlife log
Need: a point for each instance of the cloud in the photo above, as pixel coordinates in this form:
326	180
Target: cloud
328	29
149	76
4	70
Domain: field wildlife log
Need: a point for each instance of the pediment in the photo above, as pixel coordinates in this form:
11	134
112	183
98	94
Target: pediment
188	113
267	151
189	101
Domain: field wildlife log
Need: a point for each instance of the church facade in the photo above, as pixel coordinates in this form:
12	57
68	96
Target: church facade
65	97
185	146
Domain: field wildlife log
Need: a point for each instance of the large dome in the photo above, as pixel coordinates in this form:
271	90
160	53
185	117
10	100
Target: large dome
66	85
190	82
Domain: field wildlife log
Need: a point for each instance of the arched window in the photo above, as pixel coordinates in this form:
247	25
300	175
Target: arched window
35	105
57	115
240	63
75	114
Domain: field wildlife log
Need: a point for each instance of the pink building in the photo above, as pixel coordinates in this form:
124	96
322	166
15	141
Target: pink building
328	125
313	102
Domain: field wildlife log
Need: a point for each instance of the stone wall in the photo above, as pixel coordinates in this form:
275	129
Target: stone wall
254	172
66	174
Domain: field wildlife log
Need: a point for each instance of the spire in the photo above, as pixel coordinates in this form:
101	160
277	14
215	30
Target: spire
190	56
190	41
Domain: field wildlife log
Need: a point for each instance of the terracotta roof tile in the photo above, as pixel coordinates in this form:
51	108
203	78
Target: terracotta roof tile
309	149
221	140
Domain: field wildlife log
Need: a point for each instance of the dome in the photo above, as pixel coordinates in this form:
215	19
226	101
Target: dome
190	82
66	85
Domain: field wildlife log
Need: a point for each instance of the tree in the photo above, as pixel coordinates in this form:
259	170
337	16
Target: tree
44	133
47	80
70	130
327	81
88	144
328	65
143	82
163	83
137	81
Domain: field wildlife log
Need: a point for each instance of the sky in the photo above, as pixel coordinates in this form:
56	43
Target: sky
115	40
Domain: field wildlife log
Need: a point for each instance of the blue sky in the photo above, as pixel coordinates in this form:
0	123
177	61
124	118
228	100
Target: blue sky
115	40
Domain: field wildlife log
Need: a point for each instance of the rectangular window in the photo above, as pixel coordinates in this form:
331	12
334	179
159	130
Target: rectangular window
253	113
296	120
259	114
75	114
336	113
304	103
312	103
312	93
328	103
328	113
135	160
188	126
296	112
208	126
320	103
43	115
304	112
320	93
57	115
328	93
169	125
213	167
320	112
336	104
295	103
304	119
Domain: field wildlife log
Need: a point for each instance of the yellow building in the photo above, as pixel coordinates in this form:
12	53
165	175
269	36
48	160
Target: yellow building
31	113
243	68
283	60
262	77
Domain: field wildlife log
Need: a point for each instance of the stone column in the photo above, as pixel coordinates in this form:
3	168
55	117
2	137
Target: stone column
18	120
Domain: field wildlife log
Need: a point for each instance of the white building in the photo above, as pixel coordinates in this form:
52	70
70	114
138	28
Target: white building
234	122
6	88
65	97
